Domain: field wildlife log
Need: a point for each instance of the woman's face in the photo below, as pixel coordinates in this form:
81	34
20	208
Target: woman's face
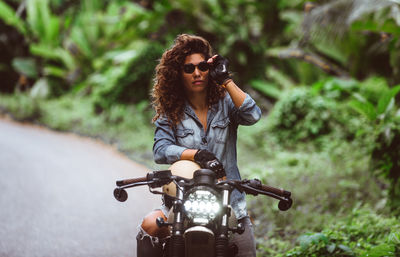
196	81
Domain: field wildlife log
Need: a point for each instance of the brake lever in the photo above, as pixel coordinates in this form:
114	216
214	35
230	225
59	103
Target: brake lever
284	202
159	178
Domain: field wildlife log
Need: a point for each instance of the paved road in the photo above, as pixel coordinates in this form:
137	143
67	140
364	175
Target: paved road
56	195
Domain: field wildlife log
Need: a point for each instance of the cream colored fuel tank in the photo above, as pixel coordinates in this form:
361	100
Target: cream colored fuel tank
182	168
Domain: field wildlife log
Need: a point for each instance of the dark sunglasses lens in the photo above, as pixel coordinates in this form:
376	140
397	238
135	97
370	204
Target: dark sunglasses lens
188	68
203	66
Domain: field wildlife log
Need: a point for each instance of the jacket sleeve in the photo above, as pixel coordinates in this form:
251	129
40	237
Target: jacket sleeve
247	114
165	150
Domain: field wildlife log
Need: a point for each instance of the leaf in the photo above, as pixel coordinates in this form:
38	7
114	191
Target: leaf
8	15
125	56
395	238
315	238
317	87
331	248
267	88
386	98
292	16
49	24
50	70
364	108
43	51
364	25
66	58
349	184
79	38
34	18
26	66
380	250
53	31
331	50
53	54
280	78
40	89
345	248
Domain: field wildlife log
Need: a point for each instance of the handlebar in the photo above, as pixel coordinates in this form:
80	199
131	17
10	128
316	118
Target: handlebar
277	191
163	177
125	182
255	187
153	179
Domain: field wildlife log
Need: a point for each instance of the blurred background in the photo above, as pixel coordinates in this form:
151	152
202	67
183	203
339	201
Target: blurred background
325	73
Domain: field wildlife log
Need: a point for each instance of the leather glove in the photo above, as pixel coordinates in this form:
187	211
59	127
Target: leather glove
207	160
219	70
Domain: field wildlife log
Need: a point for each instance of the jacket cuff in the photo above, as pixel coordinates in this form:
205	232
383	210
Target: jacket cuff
247	103
173	153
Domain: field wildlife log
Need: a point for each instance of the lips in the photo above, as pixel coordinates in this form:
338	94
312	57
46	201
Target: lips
198	82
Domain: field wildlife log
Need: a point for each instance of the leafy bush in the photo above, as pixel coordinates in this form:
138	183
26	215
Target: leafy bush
386	161
124	82
375	101
346	109
362	233
300	116
325	186
21	106
385	152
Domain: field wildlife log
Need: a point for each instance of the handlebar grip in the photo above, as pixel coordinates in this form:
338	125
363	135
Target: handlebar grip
277	191
130	181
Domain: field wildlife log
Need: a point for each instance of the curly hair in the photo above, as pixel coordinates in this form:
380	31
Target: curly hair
168	95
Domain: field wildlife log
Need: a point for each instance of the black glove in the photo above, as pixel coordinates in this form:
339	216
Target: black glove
207	160
219	70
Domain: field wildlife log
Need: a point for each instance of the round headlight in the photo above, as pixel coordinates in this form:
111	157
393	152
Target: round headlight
201	206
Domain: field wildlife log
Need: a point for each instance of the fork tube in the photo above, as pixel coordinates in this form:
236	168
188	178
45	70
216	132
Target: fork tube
225	207
221	242
177	244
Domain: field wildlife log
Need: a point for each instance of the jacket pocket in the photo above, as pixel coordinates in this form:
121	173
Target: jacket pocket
184	137
220	130
221	123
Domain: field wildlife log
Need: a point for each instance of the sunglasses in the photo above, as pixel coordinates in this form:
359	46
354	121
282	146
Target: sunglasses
189	68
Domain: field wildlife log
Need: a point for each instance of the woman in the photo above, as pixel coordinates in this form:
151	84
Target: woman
198	109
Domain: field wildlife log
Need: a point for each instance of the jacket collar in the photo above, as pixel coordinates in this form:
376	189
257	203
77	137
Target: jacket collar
210	114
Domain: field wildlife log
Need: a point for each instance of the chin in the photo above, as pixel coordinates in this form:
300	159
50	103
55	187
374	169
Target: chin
199	88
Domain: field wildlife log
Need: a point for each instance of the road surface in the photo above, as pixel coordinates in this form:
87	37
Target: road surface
56	195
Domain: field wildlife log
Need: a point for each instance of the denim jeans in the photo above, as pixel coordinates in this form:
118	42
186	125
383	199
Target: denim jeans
245	242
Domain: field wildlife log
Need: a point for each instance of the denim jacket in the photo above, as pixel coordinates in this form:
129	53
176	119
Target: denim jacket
220	137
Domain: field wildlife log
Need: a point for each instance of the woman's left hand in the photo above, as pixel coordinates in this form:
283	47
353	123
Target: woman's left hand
219	69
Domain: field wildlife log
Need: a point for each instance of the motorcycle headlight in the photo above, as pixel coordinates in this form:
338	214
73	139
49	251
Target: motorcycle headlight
202	206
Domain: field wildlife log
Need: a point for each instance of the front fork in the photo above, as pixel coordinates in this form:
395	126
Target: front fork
177	243
221	242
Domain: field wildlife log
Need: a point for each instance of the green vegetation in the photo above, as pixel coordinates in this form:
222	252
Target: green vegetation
326	74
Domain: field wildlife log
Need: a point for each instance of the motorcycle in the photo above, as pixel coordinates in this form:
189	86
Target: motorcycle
201	221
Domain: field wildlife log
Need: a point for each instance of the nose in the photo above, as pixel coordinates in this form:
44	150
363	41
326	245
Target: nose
196	71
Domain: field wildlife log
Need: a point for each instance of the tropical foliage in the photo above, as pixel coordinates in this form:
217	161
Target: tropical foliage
325	71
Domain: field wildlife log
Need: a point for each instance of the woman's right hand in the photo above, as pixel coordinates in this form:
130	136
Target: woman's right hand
207	160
